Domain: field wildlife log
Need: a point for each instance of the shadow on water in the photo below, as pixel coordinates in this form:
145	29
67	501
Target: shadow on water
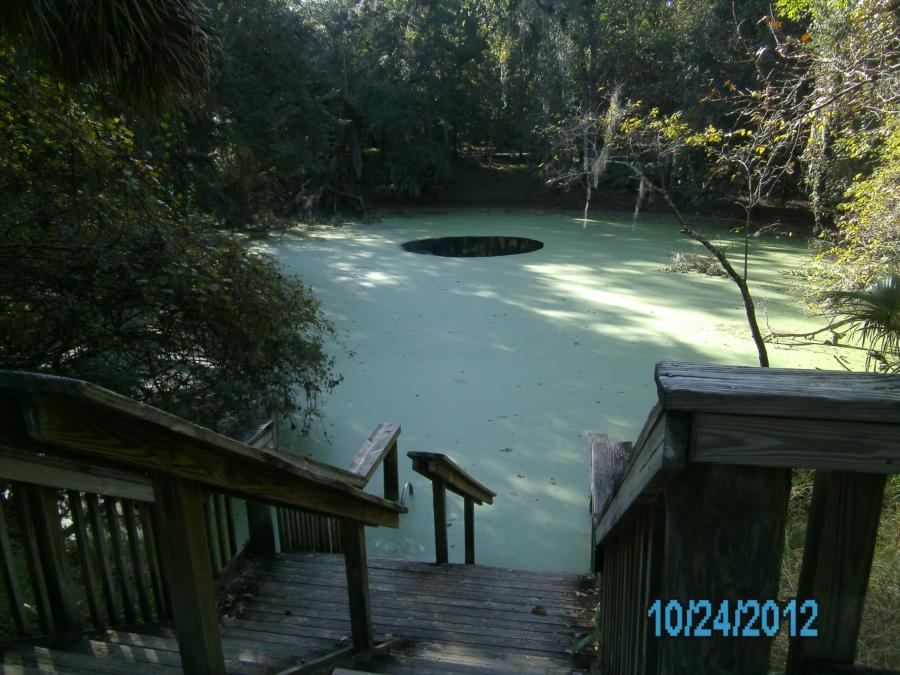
473	247
505	363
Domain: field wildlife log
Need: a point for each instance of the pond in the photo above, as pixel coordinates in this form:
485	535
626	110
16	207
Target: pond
507	362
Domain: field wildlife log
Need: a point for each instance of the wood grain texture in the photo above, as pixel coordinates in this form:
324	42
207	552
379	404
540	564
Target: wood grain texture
123	570
608	461
359	599
187	565
436	465
660	456
373	451
101	555
439	501
469	530
779	392
27	531
11	579
153	440
137	560
66	474
723	541
156	581
58	574
88	577
299	614
795	443
837	559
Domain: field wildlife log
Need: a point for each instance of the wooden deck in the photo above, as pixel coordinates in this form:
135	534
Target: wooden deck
450	618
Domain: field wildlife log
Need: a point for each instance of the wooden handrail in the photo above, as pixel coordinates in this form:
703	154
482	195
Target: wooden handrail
75	428
446	475
381	448
73	415
697	508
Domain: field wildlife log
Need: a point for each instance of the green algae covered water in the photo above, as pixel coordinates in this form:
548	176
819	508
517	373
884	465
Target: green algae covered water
506	363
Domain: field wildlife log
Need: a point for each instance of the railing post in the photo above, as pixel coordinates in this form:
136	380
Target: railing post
262	530
469	516
54	560
724	540
391	477
837	560
11	580
186	560
353	537
439	494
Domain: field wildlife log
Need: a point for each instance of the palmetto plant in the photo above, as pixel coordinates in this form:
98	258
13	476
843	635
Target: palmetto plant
873	315
142	49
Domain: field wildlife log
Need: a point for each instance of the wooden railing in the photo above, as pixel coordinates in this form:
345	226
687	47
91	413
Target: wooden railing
446	475
696	510
111	523
308	532
162	498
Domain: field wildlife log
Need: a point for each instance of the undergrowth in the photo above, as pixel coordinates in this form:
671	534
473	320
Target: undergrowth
878	646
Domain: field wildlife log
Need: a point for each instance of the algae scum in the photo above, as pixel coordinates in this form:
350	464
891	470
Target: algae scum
507	362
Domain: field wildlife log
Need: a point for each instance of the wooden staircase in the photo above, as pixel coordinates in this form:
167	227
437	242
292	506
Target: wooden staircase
289	615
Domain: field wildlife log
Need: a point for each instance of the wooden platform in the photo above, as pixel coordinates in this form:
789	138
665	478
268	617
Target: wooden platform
278	614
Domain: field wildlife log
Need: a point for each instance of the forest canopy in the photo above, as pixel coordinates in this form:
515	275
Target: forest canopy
131	164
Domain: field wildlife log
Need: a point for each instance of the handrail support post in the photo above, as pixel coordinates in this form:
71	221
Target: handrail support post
189	569
469	515
439	494
353	535
391	475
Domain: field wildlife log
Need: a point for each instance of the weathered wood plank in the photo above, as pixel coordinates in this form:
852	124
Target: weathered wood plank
435	466
837	559
437	589
469	531
42	502
66	474
156	580
11	579
439	500
118	556
88	577
262	529
724	539
116	429
373	451
137	561
392	475
360	601
101	555
221	529
187	565
779	392
231	526
659	456
608	461
209	532
795	443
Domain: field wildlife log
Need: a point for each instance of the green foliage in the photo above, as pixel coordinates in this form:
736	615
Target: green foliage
874	319
108	274
142	50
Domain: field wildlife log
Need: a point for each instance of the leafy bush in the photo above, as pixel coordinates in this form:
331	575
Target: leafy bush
107	274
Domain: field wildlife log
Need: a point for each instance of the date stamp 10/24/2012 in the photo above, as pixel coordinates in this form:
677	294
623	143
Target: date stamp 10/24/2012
738	618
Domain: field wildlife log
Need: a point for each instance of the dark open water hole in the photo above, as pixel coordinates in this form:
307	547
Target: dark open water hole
473	247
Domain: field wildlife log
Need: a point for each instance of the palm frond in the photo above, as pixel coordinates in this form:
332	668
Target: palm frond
874	316
142	49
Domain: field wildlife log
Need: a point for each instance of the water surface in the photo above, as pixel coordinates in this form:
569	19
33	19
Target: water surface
506	363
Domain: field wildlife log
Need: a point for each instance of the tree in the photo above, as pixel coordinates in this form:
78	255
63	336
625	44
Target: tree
142	50
108	274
